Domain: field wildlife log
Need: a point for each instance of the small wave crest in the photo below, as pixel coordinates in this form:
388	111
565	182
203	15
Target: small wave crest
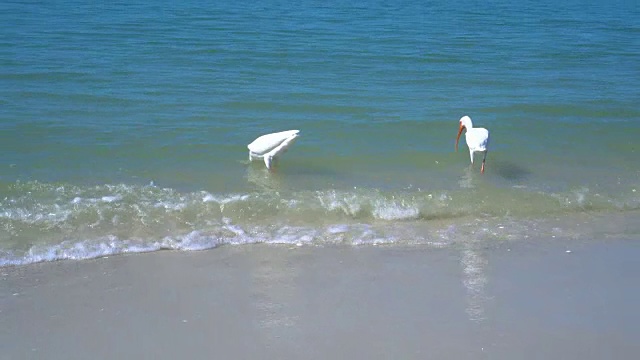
229	234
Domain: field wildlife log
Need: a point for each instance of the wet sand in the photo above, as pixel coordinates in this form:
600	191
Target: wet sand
524	300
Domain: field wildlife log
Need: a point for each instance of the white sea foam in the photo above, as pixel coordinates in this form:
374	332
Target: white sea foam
111	198
333	200
224	199
227	233
392	210
337	229
378	206
69	250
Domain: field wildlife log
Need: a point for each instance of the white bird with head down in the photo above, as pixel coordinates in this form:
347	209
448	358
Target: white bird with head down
477	139
268	147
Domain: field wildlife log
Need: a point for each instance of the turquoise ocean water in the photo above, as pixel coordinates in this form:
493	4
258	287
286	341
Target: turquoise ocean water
123	126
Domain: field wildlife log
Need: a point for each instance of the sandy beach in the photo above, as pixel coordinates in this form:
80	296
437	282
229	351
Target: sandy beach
558	299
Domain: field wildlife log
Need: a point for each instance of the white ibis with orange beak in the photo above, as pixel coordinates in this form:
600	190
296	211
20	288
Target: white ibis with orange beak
269	146
477	139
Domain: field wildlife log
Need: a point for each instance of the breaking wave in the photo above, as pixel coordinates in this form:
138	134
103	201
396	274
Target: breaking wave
47	222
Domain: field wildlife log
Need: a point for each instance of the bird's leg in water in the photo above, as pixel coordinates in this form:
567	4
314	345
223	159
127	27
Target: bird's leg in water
484	158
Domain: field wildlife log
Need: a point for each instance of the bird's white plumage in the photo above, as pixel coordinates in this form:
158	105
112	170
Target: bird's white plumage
477	139
269	146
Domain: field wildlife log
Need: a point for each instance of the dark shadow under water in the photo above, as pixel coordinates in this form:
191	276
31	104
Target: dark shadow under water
509	170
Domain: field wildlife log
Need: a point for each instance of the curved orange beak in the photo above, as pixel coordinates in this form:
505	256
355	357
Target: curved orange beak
459	133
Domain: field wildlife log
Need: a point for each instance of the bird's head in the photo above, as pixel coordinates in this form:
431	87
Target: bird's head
465	123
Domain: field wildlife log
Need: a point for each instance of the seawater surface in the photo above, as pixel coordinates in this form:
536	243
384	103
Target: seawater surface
123	126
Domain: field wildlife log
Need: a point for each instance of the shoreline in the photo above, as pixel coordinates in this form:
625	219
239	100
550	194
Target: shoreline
510	300
450	232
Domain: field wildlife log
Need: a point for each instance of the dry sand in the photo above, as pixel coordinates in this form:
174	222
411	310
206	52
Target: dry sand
528	300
